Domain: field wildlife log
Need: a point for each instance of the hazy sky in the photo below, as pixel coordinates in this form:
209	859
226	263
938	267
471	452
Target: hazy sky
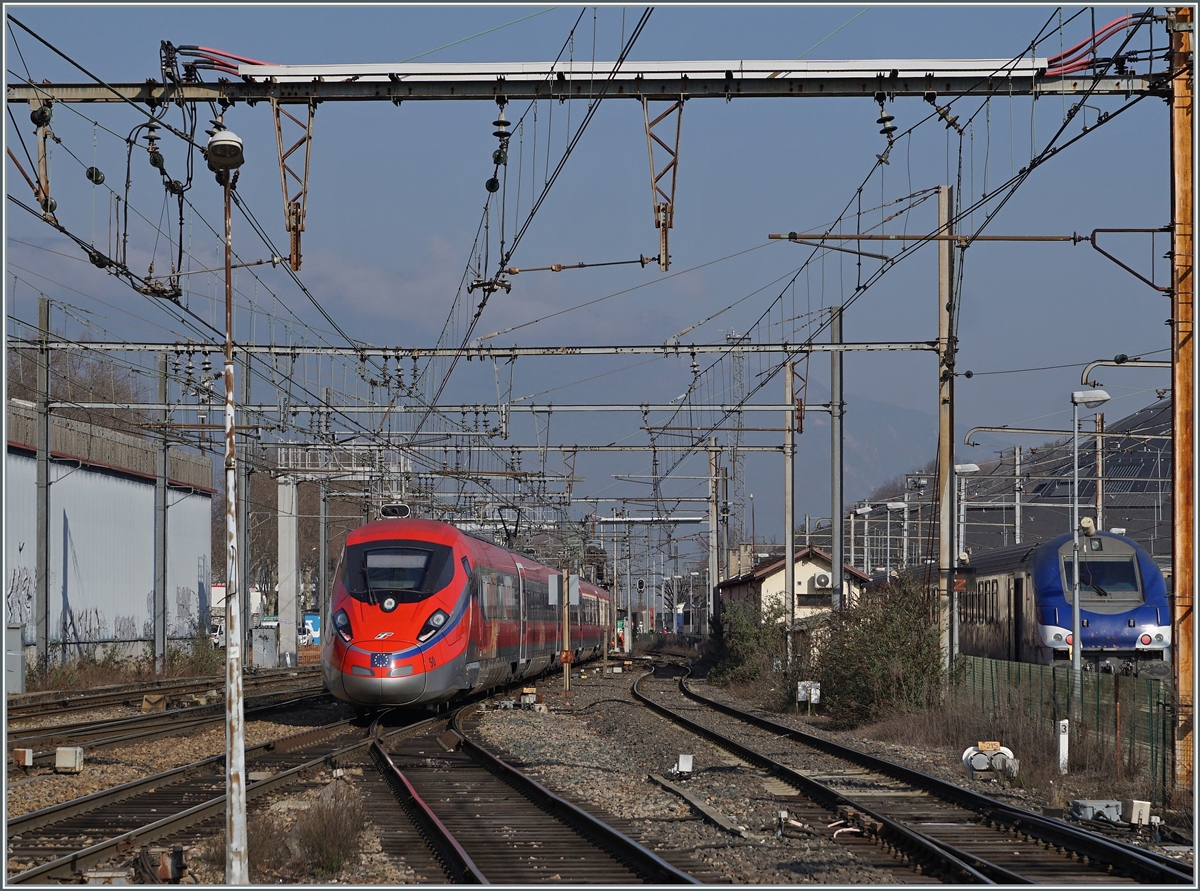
396	198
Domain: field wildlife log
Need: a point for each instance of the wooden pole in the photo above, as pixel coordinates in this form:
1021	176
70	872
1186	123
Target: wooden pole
1183	377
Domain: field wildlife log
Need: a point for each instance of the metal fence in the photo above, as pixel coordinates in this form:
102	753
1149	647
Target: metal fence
1130	719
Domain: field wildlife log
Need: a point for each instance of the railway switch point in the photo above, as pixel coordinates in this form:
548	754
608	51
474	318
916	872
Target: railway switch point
450	740
68	759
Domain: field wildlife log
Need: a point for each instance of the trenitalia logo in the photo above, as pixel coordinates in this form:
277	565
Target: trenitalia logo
383	634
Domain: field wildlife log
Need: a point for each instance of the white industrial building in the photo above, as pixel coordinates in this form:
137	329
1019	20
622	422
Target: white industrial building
101	521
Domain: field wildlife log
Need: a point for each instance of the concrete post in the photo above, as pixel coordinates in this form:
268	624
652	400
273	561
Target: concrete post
160	530
946	557
289	566
41	606
837	458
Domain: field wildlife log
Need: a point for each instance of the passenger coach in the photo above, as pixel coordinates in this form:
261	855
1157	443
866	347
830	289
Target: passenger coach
1018	605
421	612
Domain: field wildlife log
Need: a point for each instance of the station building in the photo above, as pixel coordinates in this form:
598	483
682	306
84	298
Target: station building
764	584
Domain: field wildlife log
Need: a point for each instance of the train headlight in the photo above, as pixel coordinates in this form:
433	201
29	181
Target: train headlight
341	622
388	604
1058	637
1070	639
1158	637
432	625
1145	639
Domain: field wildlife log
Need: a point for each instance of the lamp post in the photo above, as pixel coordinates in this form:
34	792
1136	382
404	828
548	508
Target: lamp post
224	157
891	506
960	471
1090	399
862	512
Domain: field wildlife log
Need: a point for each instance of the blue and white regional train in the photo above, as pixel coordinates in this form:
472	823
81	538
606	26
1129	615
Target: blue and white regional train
1019	606
422	613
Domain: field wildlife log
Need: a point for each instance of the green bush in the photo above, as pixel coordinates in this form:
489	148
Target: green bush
882	654
753	646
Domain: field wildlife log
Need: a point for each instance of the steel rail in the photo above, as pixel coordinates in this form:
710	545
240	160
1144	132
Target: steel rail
166	716
170	726
1127	857
456	862
66	809
942	856
71	864
643	860
120	694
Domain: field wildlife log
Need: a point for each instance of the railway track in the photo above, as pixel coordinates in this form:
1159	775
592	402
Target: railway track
945	831
484	822
33	706
59	843
143	728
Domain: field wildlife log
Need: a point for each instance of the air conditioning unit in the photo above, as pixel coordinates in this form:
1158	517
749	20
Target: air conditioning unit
823	580
396	511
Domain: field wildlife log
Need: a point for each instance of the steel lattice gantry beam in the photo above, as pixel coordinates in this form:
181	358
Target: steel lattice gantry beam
727	79
476	352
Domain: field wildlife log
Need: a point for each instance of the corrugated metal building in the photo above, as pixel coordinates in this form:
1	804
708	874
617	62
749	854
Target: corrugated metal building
102	534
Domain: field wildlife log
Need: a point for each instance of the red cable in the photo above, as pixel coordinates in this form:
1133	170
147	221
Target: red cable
208	49
1096	39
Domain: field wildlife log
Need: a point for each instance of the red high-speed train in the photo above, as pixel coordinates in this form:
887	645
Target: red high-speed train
421	612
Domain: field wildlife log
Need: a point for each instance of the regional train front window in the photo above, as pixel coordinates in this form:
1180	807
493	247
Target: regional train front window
408	573
1107	580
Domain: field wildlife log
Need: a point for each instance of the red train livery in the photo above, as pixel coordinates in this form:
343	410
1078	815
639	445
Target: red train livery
422	612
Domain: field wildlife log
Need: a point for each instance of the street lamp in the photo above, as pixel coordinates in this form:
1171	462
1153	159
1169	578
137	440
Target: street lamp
1090	399
891	506
224	157
862	512
960	471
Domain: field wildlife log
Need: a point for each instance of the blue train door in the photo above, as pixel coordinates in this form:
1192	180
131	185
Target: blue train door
523	610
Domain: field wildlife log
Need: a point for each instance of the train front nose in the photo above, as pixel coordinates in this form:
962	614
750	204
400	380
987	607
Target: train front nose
370	675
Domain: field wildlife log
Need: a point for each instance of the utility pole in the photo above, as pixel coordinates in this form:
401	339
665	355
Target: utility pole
836	410
713	457
41	606
1018	488
789	510
1180	22
946	557
243	507
160	530
323	560
1099	462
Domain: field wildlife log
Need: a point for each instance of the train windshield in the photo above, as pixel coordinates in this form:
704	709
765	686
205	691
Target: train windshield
1108	580
408	572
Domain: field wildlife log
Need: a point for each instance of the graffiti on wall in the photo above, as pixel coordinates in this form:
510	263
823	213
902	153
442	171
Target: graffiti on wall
85	626
18	602
125	628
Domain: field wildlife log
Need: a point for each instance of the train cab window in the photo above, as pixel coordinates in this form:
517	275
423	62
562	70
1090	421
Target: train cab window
409	573
1104	580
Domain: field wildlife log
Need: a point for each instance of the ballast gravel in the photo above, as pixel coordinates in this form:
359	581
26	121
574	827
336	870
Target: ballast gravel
105	768
597	744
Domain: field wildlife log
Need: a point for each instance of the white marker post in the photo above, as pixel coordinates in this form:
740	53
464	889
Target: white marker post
1064	737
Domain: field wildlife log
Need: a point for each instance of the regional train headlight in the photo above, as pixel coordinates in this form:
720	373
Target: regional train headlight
341	622
432	625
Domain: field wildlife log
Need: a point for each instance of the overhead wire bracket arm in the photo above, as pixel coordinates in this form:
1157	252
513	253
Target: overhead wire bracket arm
294	207
663	199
